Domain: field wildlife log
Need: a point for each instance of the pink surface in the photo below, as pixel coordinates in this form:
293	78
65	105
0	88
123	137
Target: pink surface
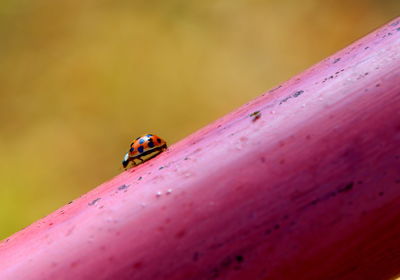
309	190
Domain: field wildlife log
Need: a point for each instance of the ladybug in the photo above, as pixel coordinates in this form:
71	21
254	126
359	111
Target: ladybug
148	144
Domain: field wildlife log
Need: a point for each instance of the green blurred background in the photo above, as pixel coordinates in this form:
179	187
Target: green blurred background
80	79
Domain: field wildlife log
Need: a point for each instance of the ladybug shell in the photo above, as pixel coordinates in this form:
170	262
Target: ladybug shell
145	144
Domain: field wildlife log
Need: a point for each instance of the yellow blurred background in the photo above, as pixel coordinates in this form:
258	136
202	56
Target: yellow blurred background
80	79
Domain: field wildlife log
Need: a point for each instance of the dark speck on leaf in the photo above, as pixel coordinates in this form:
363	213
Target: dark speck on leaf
297	93
293	95
346	188
255	115
123	187
94	201
140	178
336	60
239	259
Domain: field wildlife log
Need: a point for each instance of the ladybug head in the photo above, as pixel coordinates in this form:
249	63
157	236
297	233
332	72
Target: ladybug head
125	161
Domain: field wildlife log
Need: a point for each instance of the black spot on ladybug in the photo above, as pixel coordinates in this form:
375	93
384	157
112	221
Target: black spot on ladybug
140	149
131	150
158	140
150	144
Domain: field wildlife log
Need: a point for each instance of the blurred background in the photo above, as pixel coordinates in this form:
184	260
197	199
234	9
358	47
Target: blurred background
80	79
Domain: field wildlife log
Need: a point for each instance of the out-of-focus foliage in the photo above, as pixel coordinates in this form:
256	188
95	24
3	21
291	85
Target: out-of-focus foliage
79	79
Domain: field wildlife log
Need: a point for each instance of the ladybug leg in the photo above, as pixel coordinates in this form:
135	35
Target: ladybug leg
155	153
158	151
133	162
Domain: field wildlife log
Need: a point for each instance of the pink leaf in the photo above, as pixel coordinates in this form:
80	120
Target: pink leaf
301	183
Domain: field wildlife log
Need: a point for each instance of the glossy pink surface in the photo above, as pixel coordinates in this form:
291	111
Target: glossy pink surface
309	188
